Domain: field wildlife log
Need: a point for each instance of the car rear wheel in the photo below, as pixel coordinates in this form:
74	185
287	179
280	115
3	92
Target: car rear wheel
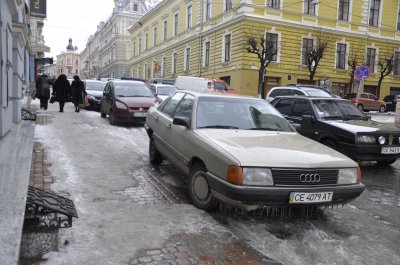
112	118
154	155
382	108
386	162
360	107
332	144
199	190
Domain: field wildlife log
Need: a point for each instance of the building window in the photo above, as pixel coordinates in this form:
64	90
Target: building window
176	24
189	17
398	18
308	45
344	10
174	58
140	45
341	56
155	37
228	5
207	54
144	71
76	62
396	63
134	48
187	59
208	9
165	31
146	41
227	46
138	72
163	66
271	41
374	12
273	4
371	54
309	7
135	7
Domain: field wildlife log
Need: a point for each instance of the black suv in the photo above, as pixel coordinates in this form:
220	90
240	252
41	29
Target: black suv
391	102
338	124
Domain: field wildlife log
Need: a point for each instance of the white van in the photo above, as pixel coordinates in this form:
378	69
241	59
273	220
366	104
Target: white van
193	83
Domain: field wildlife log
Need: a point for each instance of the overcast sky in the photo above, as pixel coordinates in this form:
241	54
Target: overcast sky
77	19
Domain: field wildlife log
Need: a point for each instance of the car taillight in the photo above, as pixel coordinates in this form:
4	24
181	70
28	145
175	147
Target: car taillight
235	175
359	174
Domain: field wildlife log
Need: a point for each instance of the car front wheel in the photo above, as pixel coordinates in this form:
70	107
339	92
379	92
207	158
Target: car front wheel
360	107
382	109
199	190
154	155
332	144
386	162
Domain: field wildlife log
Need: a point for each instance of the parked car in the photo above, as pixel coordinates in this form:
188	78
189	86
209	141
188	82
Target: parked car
297	90
366	102
202	84
241	151
166	81
391	102
338	124
162	91
126	101
94	90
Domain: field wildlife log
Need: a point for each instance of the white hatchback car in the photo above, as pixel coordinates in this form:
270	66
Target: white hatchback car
299	90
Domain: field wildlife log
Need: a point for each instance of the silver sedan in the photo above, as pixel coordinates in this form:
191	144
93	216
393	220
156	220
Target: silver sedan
241	151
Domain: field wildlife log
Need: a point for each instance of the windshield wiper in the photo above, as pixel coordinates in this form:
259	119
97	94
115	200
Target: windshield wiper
266	129
336	118
218	127
358	117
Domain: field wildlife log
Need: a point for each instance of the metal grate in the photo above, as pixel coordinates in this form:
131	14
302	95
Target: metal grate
391	139
292	176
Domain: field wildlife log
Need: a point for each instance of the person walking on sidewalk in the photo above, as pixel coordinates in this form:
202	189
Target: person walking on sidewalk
43	84
78	92
61	90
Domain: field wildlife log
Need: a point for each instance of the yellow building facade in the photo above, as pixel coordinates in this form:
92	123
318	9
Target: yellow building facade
208	38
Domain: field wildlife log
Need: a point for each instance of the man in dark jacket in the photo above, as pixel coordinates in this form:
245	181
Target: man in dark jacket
61	90
78	92
43	84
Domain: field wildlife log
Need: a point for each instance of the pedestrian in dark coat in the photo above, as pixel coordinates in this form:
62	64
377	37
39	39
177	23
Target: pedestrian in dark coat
43	84
61	90
78	92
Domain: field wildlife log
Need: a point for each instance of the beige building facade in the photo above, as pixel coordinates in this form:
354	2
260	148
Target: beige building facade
209	38
68	62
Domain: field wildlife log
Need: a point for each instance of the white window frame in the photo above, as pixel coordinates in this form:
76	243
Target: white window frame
376	57
186	61
174	60
208	12
165	30
278	54
163	65
304	8
146	41
230	47
380	13
226	5
155	36
205	53
301	50
175	26
350	12
280	5
345	55
144	71
189	16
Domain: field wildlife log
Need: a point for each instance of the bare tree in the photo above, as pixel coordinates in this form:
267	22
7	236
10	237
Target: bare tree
385	64
354	60
266	51
314	55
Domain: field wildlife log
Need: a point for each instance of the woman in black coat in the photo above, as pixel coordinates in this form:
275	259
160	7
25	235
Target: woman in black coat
78	92
61	90
43	84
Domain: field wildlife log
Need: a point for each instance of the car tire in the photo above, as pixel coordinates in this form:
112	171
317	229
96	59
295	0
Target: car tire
199	190
155	156
102	114
382	109
360	107
386	162
332	144
112	118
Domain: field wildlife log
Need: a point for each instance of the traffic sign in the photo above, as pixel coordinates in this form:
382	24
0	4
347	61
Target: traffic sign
362	72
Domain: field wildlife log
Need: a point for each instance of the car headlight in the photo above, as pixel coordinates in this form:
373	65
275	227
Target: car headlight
90	96
349	176
365	139
257	176
382	140
120	105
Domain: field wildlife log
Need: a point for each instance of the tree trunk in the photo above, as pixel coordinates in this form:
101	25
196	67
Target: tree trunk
260	83
351	84
378	89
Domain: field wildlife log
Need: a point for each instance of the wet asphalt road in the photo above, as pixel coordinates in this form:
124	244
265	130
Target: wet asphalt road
126	206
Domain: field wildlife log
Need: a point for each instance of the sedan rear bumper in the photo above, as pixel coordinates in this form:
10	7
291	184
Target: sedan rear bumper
256	197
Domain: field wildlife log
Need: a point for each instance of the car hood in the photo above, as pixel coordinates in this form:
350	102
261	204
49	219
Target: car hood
94	93
275	149
137	101
358	126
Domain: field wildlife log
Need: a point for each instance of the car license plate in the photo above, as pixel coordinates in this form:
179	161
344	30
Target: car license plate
390	150
310	197
139	114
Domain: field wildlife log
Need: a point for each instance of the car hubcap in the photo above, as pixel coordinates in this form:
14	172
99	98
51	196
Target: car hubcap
200	186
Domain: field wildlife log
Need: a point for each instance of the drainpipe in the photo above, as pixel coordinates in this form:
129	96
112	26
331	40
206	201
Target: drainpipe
201	37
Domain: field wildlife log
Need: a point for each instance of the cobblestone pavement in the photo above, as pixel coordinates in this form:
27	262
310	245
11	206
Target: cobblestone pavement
40	174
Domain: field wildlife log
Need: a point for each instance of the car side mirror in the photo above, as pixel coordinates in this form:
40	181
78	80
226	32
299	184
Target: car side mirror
182	121
308	118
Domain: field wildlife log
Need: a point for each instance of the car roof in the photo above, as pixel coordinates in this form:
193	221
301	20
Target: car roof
119	81
312	98
163	85
94	81
218	94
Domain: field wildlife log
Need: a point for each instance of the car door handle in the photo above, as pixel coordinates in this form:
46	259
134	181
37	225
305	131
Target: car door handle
169	125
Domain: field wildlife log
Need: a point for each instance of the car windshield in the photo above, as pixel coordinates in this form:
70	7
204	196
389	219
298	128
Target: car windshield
132	90
317	93
98	86
239	113
337	109
220	86
165	90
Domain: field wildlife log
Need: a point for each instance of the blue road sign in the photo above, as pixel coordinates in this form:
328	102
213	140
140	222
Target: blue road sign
362	72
